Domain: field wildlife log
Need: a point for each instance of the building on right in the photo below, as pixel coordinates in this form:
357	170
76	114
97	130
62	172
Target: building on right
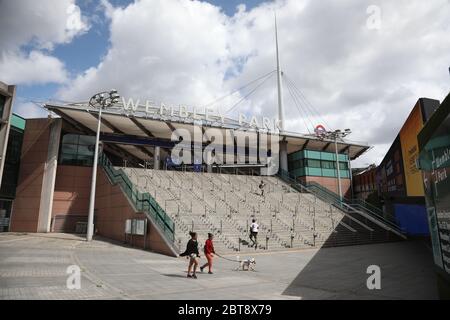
434	163
398	188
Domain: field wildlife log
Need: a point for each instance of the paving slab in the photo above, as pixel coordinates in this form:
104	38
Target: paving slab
34	266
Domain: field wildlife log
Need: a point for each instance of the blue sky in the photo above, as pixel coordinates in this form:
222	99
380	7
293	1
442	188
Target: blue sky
87	50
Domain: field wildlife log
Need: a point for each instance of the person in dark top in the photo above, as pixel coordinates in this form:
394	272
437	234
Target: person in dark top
261	187
193	254
209	253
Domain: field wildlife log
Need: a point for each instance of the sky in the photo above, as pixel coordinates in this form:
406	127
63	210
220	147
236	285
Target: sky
346	64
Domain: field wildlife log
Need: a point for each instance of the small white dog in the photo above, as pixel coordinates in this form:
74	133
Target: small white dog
247	264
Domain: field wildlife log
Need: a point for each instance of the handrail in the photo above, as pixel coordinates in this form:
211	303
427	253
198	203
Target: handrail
142	201
364	205
329	196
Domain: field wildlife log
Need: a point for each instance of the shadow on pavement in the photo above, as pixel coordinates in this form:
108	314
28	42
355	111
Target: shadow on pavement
406	270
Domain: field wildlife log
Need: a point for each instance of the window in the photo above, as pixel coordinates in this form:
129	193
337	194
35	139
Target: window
313	163
2	105
12	163
297	164
77	150
328	165
343	165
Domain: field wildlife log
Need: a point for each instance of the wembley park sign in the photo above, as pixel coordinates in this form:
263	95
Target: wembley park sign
199	114
212	145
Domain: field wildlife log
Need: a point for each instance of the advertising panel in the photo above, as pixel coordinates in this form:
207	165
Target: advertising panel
435	164
410	152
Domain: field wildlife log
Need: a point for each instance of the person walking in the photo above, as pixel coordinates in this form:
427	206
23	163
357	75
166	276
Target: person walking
261	187
193	255
209	253
254	228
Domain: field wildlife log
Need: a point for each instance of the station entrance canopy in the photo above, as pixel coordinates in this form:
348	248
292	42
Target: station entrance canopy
136	130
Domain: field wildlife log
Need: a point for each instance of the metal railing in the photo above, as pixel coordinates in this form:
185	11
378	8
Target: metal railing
344	204
143	202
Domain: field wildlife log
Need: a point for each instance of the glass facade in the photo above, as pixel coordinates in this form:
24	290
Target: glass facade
12	164
77	150
5	214
2	104
11	170
316	163
434	162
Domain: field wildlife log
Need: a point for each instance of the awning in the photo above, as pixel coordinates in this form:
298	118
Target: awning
117	121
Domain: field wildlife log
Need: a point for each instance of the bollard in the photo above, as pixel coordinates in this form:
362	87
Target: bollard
292	240
239	246
267	242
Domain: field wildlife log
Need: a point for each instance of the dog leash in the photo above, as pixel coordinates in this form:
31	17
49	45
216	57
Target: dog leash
228	259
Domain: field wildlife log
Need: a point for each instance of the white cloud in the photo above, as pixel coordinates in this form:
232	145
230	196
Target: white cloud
181	51
176	51
36	68
43	22
39	25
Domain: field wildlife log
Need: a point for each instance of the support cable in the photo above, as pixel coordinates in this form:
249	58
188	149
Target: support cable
250	93
303	115
307	103
239	89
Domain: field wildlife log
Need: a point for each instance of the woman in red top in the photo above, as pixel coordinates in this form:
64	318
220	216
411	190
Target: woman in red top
209	253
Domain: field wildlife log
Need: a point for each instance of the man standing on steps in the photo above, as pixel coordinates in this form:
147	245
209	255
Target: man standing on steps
254	228
261	187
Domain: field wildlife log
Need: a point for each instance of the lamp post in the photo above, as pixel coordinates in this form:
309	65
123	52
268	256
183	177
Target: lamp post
101	101
335	135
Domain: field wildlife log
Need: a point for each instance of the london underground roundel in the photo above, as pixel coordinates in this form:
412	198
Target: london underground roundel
320	129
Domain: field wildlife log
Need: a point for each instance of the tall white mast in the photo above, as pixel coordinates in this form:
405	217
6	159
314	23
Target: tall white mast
279	81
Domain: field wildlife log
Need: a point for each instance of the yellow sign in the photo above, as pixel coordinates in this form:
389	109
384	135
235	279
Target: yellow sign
410	152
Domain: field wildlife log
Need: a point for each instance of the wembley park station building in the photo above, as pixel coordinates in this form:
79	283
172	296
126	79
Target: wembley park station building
163	172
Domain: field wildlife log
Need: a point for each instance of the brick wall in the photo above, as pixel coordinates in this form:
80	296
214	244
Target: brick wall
25	214
330	183
112	211
71	197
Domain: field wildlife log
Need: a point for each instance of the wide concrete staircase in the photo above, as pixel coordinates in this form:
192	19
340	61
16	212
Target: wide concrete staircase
225	204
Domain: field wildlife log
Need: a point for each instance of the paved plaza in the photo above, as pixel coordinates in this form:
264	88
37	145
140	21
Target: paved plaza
33	266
